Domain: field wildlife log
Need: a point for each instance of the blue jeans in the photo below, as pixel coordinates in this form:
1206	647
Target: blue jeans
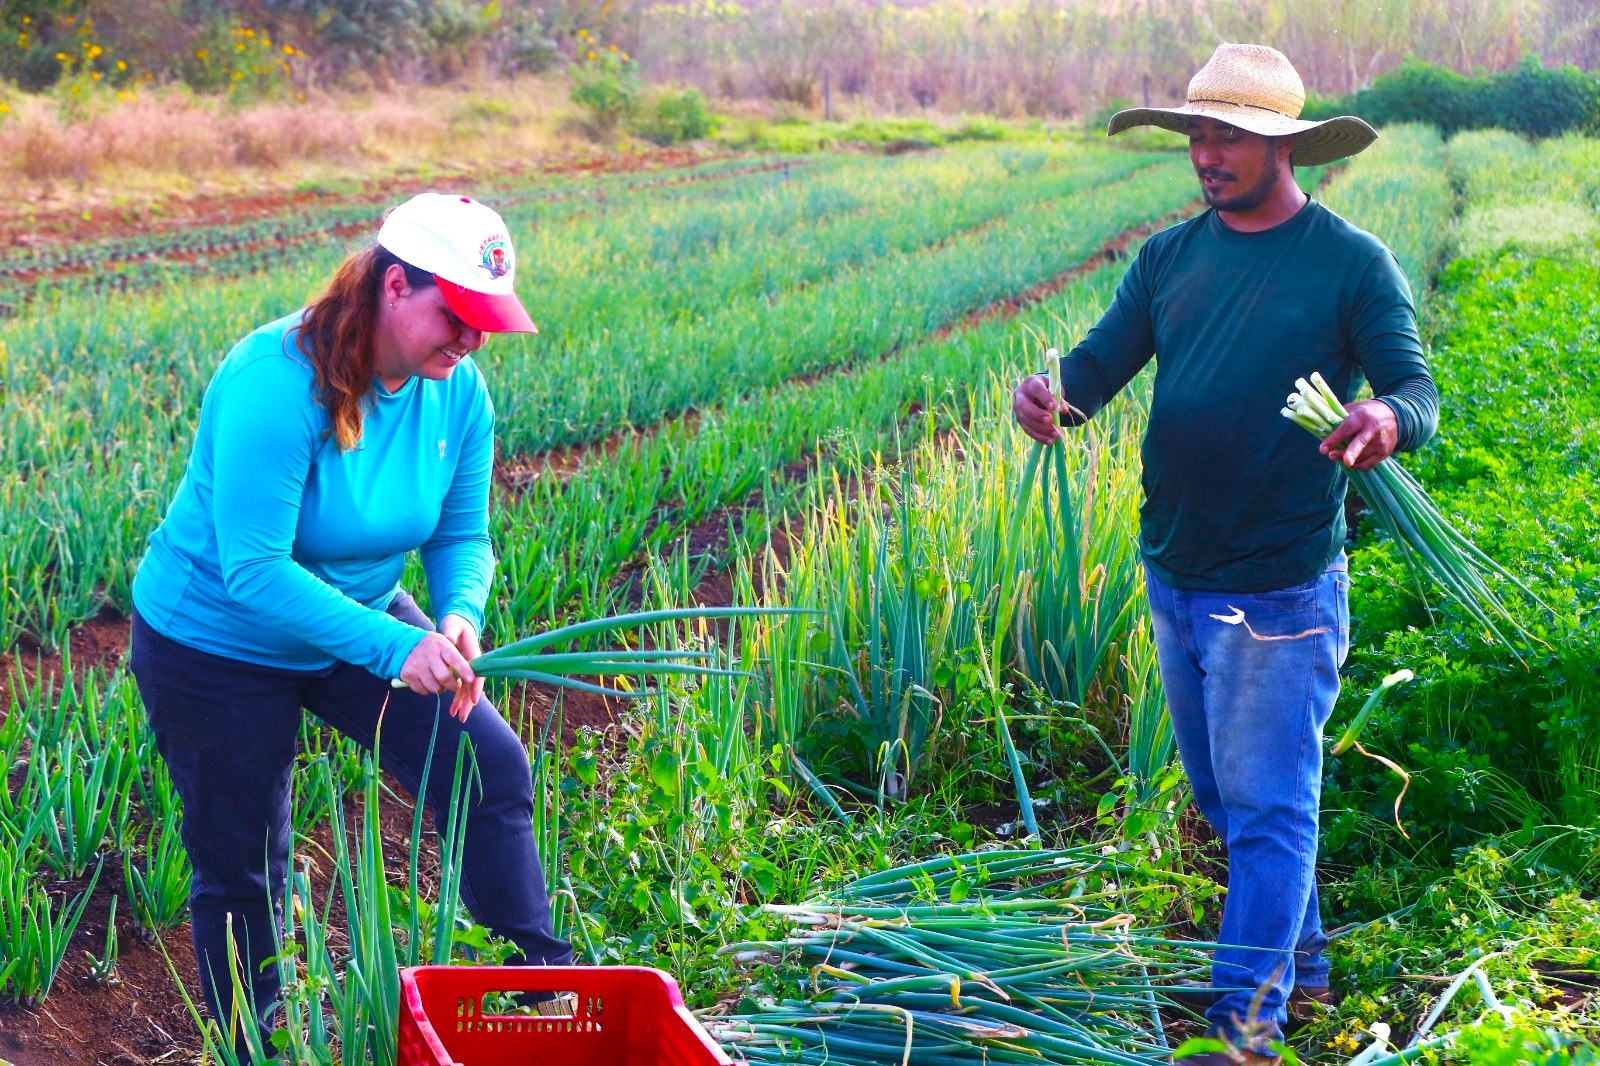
1248	710
227	731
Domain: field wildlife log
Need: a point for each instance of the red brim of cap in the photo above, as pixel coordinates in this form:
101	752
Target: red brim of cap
486	311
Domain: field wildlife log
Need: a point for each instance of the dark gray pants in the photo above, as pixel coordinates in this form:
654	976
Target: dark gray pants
228	730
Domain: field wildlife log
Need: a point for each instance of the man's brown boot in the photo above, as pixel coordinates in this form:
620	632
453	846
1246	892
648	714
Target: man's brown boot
1306	1005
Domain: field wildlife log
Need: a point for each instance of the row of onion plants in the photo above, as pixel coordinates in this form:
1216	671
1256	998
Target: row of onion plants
859	286
948	576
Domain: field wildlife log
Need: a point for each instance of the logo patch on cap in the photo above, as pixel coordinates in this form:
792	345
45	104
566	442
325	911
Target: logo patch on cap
496	256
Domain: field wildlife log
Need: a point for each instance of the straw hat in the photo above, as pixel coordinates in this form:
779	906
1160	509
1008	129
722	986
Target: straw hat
1255	88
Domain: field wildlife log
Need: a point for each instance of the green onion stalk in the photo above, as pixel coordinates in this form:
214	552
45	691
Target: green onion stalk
998	957
530	659
1430	546
1352	732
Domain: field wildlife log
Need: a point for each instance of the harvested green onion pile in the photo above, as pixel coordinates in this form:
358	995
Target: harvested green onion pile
531	659
993	957
1429	545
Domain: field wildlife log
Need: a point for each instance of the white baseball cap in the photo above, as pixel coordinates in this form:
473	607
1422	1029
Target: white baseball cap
466	247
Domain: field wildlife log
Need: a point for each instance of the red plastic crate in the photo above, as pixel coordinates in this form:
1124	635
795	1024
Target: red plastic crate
626	1016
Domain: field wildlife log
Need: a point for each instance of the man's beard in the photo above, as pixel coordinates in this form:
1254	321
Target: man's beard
1248	200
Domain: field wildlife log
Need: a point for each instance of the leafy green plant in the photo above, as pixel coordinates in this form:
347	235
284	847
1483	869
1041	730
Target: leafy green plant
673	117
606	83
84	801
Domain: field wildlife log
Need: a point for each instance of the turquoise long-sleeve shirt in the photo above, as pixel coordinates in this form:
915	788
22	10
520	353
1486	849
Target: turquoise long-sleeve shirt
278	549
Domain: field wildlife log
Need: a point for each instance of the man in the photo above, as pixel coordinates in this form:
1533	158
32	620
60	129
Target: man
1242	528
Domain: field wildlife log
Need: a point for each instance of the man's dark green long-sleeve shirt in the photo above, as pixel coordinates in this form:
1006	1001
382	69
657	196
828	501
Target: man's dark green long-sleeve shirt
1237	497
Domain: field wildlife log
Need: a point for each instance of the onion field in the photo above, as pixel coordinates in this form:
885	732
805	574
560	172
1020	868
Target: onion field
786	382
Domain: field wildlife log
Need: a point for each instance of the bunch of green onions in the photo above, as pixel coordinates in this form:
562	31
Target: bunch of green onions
997	957
531	658
1429	545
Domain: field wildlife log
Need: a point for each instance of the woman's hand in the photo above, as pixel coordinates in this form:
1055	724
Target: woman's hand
437	664
464	635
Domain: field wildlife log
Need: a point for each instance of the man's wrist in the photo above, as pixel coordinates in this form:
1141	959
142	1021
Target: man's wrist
1394	415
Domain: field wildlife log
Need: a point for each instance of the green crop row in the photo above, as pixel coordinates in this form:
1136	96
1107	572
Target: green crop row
1493	743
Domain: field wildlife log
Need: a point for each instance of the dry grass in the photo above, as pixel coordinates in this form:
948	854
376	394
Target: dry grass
169	141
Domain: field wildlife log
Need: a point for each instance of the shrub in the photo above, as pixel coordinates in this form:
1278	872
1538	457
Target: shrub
530	51
607	85
244	64
1421	92
1531	99
1542	102
1319	108
673	117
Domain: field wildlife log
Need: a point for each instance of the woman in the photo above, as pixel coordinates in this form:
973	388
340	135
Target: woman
330	444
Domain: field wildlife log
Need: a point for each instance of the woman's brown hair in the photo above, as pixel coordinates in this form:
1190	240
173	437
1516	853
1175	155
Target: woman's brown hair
337	331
